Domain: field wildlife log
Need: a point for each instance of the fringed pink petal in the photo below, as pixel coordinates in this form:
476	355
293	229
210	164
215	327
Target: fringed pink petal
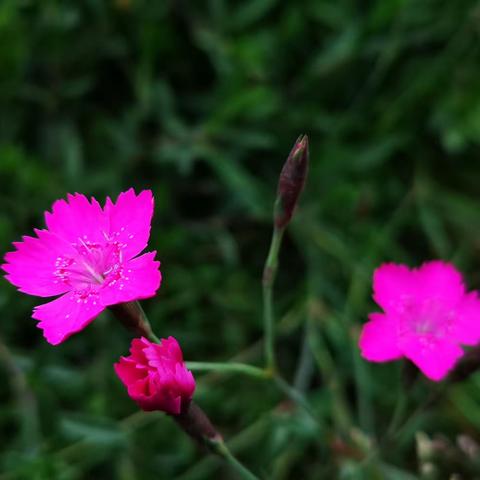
66	315
441	281
140	279
435	357
33	267
392	285
78	220
130	220
157	379
378	340
467	327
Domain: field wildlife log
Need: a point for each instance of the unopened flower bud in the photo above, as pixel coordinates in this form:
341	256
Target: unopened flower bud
157	379
156	376
291	182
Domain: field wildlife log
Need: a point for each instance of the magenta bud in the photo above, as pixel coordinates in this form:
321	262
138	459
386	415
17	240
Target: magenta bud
156	377
291	182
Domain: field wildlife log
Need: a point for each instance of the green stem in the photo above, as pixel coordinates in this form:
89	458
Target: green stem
241	441
221	449
305	367
151	335
326	365
398	413
193	420
229	367
269	275
405	383
25	400
434	396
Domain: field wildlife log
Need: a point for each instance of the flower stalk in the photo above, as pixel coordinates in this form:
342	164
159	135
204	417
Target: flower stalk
132	317
268	280
195	423
233	367
290	186
221	449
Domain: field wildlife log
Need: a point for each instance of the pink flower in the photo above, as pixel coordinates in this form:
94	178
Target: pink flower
87	255
428	314
155	375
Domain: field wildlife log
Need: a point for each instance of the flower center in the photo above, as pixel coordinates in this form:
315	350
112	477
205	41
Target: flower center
94	265
428	318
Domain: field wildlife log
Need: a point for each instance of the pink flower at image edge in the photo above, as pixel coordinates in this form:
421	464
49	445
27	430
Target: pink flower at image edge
88	255
427	315
155	375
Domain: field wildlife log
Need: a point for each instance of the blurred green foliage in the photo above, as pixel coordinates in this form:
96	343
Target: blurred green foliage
201	102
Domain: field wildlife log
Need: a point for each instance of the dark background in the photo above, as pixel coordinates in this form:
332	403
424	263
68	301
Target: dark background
201	102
